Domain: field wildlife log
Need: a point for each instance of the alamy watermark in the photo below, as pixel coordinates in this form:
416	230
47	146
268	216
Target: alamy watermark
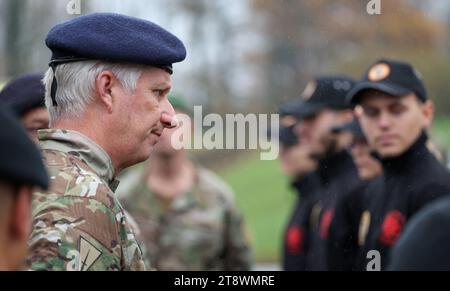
375	260
232	132
73	7
374	7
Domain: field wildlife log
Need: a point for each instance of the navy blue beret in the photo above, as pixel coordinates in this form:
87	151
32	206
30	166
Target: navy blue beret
20	160
115	38
24	94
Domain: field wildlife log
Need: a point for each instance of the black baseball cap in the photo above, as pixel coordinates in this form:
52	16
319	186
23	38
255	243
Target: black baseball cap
320	93
395	78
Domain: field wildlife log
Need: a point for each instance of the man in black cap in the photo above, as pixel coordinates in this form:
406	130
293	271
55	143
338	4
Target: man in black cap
106	92
21	169
324	106
394	111
25	97
349	219
297	164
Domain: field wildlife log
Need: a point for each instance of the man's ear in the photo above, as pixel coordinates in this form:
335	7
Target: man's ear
358	111
345	116
105	84
428	113
20	223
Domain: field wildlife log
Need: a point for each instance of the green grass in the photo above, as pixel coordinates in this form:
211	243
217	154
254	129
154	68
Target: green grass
441	130
264	197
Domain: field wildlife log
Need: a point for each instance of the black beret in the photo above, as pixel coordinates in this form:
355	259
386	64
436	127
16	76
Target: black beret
24	94
115	38
20	159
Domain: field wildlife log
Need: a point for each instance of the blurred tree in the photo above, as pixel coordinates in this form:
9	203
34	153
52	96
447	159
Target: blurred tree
209	28
318	36
25	24
15	58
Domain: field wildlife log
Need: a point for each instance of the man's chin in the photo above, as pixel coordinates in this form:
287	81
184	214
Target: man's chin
144	155
390	152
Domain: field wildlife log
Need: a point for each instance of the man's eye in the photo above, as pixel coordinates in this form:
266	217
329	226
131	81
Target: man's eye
370	112
159	93
397	110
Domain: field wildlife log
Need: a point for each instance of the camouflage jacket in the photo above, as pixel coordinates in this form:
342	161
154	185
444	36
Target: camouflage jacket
200	230
79	224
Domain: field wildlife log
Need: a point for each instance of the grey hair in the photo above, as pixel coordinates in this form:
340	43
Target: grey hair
76	85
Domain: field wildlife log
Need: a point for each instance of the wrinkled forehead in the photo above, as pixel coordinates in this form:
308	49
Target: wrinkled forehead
156	77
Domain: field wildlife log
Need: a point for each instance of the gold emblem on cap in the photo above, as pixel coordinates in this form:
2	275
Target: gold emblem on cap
379	72
309	90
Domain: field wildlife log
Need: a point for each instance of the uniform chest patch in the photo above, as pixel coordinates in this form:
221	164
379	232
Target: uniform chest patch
364	225
325	223
392	227
294	240
88	254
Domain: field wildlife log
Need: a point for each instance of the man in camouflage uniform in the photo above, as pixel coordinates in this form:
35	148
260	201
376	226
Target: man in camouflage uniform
108	107
186	214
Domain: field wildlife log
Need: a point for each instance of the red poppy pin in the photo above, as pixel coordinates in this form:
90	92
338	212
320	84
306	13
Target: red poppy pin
294	240
392	227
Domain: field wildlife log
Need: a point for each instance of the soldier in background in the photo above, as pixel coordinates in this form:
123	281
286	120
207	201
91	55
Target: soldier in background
323	107
187	215
21	169
25	97
350	221
297	164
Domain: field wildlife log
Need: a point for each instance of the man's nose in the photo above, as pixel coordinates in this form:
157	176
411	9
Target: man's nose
168	115
385	120
300	128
